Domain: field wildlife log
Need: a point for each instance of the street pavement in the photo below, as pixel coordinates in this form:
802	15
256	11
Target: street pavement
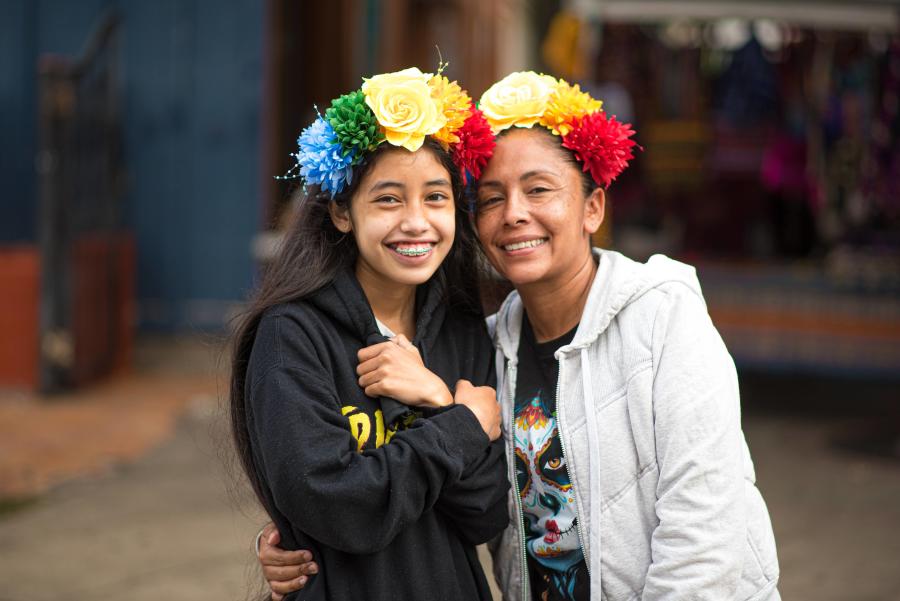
166	525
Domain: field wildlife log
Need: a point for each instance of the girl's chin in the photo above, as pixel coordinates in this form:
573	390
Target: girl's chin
410	275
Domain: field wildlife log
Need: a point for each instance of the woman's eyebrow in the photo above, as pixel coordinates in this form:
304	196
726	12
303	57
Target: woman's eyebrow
491	183
537	172
437	182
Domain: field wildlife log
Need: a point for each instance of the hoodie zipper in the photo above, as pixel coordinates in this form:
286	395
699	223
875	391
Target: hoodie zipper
562	442
520	529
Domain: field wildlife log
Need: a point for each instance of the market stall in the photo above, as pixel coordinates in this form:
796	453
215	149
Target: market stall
772	161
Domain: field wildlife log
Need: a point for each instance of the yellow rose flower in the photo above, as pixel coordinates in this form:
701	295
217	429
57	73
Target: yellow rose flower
566	104
403	105
518	99
455	105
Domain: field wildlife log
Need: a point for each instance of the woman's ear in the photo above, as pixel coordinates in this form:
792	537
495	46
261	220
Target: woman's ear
594	210
340	217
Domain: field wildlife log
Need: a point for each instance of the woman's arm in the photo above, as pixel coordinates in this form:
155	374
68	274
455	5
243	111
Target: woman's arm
698	545
285	571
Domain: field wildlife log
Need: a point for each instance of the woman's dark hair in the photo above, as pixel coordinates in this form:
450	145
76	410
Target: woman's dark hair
314	251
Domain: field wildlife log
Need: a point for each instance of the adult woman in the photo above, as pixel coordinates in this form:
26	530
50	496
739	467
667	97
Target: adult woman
330	444
620	401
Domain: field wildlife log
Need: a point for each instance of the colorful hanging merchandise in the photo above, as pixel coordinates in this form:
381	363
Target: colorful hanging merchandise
882	184
401	109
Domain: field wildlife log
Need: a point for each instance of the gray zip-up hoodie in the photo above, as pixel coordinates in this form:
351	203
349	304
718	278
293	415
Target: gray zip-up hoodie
649	415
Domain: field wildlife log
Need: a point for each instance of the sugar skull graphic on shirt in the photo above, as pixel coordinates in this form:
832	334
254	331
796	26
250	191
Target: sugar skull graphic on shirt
548	500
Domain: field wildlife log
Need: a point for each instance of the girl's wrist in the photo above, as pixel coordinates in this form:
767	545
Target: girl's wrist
441	396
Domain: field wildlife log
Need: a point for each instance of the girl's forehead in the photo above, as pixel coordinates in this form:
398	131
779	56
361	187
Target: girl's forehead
401	164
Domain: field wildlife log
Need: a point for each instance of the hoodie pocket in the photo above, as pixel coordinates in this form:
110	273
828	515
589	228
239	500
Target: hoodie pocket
760	557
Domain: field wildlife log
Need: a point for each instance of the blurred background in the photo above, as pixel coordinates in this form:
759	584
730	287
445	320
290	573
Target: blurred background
139	144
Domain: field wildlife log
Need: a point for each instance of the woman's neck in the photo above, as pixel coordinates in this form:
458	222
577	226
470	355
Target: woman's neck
393	304
554	308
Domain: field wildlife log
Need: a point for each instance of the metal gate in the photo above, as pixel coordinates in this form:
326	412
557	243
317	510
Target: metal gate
87	258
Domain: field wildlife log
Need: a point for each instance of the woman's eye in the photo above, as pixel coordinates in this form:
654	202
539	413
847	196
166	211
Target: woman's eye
484	203
538	190
436	197
387	199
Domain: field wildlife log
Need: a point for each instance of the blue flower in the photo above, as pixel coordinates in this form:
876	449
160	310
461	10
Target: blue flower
322	159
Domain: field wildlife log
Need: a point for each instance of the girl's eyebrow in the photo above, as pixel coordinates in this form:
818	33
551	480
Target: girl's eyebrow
391	184
386	184
437	182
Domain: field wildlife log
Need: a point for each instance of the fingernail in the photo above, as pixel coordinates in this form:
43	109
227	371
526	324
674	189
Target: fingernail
271	538
302	580
314	569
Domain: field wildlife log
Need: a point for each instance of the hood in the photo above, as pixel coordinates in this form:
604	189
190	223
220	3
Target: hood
619	282
345	304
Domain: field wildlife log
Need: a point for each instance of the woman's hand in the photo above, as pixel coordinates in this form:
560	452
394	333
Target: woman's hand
394	369
285	571
482	401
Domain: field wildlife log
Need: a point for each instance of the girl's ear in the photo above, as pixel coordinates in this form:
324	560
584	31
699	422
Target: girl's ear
594	210
340	217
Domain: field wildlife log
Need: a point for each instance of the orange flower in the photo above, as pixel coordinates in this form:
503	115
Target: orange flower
454	104
565	106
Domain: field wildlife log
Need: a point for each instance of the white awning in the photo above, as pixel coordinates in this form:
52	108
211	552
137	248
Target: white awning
853	15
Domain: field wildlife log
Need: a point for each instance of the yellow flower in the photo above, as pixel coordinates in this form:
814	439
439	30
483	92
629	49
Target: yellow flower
518	99
566	104
403	105
454	103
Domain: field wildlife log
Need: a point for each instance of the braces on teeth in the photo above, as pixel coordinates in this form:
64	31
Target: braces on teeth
413	252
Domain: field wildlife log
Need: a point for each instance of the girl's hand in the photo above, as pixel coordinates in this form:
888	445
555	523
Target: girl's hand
285	571
482	401
394	369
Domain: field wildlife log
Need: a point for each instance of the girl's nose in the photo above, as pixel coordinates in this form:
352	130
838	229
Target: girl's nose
414	220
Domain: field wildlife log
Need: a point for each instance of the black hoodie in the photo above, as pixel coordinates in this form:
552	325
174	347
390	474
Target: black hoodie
391	502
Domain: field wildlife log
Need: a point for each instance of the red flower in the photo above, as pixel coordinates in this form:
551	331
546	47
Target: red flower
475	146
602	144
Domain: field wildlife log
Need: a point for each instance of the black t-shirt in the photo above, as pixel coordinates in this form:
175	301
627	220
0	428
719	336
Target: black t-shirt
556	566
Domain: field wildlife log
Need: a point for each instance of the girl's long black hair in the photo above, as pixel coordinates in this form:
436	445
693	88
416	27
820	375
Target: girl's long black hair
314	251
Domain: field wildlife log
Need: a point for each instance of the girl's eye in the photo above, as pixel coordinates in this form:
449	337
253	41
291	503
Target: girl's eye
436	197
387	199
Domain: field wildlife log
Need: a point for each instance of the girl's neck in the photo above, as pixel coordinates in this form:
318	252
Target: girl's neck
554	308
393	304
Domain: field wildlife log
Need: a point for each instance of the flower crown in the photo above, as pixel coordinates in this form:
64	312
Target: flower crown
400	108
526	98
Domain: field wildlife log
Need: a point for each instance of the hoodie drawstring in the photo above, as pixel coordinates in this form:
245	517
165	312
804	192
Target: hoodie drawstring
594	484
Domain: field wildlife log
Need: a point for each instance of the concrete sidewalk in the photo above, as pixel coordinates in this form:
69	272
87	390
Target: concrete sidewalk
164	527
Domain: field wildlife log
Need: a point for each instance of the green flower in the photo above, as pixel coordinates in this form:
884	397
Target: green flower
354	123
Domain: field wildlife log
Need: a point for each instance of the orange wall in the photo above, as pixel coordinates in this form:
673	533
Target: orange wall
19	306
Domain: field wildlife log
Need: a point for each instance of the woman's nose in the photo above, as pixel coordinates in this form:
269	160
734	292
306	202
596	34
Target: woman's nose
515	209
